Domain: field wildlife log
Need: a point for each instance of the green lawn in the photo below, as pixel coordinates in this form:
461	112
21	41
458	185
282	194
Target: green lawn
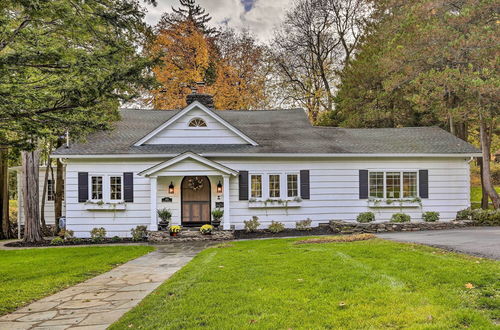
476	194
367	284
27	275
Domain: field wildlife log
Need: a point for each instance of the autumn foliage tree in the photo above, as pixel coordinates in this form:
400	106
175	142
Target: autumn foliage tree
231	64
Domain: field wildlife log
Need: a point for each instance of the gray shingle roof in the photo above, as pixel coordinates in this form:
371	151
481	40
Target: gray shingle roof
276	131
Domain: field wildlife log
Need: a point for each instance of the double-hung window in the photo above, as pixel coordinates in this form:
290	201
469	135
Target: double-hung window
274	186
115	186
256	186
292	185
393	184
96	189
51	190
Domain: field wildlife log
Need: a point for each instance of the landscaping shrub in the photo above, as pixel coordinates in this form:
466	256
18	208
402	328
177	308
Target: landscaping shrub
251	226
303	225
430	216
217	214
366	217
116	239
276	227
464	214
57	241
98	234
400	217
139	233
333	239
66	234
206	229
486	217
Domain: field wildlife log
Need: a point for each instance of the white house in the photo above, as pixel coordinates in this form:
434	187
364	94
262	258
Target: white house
269	163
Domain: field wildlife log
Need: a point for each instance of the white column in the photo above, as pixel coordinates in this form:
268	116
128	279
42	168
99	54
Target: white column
227	207
153	183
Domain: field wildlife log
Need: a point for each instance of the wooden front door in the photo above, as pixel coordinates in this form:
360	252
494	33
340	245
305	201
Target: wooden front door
195	200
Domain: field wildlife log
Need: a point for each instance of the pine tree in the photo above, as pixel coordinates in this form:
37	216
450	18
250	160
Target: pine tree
192	12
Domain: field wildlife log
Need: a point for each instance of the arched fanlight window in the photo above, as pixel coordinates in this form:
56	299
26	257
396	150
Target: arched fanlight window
197	122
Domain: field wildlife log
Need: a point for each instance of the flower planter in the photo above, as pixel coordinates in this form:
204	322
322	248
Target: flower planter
216	223
173	234
163	225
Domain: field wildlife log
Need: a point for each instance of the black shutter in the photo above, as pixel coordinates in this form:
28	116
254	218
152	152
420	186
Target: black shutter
128	187
83	187
243	181
363	184
305	187
423	183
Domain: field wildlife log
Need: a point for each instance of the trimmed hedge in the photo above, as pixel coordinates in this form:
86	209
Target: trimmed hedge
400	217
366	217
430	216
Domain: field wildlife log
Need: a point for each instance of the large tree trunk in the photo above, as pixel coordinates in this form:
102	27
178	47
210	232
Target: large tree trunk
30	161
4	193
59	193
484	195
486	175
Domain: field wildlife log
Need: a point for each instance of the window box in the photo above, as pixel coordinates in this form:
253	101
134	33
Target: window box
394	203
275	203
96	206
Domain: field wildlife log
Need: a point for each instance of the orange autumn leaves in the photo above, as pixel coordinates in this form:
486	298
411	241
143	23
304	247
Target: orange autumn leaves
229	64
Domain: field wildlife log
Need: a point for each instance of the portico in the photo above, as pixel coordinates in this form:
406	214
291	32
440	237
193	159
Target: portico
191	186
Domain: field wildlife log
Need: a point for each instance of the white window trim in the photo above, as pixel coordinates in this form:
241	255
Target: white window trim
286	184
265	185
262	192
106	187
109	187
197	127
417	192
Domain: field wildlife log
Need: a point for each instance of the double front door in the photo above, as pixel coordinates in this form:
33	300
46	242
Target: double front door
195	200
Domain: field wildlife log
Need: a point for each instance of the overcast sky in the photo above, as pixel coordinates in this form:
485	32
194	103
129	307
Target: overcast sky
259	16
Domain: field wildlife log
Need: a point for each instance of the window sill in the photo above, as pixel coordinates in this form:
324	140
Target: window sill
105	207
393	204
273	204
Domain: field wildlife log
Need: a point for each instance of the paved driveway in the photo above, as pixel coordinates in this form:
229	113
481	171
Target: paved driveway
480	241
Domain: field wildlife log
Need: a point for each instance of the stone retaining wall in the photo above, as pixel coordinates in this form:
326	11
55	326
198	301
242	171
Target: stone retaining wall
344	227
189	235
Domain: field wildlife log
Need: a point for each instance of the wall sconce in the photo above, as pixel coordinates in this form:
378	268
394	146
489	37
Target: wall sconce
219	188
171	188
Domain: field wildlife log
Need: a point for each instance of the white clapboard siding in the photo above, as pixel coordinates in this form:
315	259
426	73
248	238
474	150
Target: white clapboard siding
334	190
49	205
178	132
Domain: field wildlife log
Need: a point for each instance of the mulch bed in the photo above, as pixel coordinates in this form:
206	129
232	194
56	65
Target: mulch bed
81	241
288	232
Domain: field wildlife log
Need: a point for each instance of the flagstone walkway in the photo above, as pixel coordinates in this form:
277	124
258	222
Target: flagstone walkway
102	300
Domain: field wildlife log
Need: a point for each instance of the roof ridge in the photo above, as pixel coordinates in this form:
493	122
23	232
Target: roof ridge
217	110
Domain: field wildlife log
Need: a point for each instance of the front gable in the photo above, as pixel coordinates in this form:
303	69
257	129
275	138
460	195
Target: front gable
196	124
188	163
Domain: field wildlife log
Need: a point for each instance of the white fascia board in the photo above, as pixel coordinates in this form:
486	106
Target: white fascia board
191	155
273	155
190	107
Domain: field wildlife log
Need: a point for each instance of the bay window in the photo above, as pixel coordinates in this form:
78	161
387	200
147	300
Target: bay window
393	184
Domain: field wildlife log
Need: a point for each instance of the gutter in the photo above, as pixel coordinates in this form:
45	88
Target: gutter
272	155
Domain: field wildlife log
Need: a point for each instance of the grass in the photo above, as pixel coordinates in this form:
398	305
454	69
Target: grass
476	194
277	284
27	275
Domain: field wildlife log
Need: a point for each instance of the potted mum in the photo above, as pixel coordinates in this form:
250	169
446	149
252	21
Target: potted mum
165	216
206	229
217	216
175	230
